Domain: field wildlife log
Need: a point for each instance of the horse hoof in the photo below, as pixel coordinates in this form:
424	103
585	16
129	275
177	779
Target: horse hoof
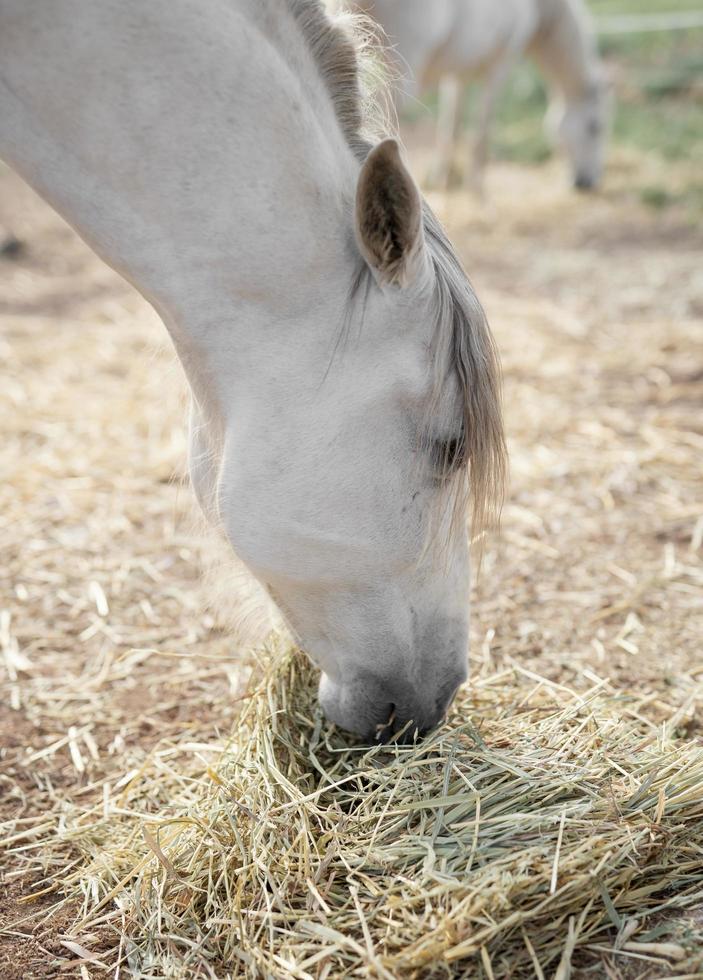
12	247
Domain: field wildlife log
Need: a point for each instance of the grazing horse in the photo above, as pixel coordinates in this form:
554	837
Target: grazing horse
345	386
449	42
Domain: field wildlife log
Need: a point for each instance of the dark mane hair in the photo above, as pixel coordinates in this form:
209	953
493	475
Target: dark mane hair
334	45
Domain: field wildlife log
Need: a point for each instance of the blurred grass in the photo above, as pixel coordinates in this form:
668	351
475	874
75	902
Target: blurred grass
658	82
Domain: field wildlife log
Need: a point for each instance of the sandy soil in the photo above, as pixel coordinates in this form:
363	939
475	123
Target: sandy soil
597	305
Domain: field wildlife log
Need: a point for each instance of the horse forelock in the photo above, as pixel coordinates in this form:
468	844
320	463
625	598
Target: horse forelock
466	339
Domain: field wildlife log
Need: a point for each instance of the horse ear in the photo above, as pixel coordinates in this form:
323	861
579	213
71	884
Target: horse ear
389	217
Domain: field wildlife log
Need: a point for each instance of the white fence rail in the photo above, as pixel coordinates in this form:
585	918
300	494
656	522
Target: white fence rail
646	23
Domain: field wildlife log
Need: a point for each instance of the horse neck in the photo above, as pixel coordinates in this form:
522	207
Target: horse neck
203	164
565	47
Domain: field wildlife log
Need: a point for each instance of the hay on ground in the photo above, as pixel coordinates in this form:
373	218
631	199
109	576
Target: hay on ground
521	834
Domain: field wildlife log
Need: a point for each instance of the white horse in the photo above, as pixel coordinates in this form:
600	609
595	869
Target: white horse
450	42
343	377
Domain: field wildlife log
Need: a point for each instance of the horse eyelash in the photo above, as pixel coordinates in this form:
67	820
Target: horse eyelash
449	454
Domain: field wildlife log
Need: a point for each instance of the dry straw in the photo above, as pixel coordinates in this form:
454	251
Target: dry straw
525	833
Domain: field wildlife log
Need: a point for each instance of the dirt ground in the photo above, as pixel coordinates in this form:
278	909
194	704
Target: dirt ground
597	306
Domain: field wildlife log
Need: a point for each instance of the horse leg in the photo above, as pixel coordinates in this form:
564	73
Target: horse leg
448	123
494	85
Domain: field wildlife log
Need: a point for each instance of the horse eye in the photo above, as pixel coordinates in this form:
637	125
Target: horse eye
449	454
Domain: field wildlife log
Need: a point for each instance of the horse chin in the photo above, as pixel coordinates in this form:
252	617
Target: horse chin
357	719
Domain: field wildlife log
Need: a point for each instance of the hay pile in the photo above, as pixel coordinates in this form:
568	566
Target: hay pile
522	832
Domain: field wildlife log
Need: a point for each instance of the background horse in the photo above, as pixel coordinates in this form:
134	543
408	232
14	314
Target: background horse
450	42
343	376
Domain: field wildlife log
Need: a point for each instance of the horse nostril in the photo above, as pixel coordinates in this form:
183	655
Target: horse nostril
582	182
385	729
401	727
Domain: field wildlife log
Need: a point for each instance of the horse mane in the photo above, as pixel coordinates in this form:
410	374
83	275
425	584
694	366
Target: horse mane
336	45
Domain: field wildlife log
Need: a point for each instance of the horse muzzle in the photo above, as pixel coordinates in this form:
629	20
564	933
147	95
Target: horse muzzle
389	709
584	182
